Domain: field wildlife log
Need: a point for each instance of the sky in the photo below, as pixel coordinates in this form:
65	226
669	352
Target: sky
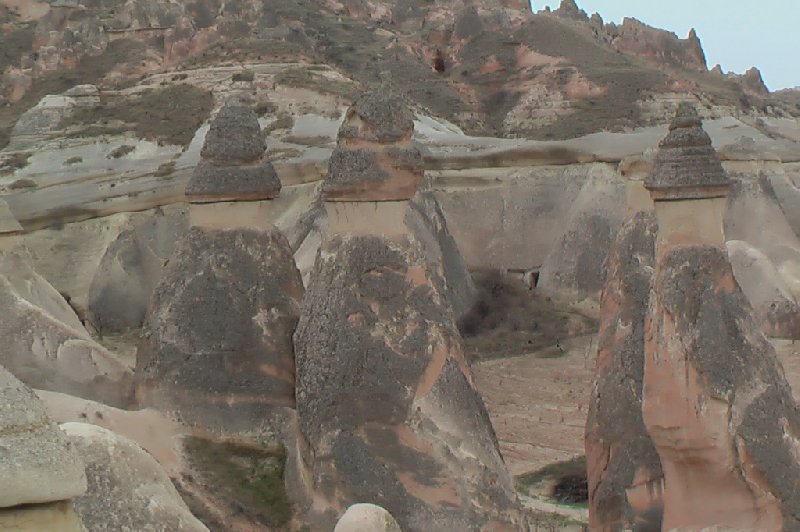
737	34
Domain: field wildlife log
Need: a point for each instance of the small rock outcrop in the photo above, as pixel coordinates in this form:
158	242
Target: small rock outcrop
217	344
659	47
624	470
366	518
40	470
127	488
387	410
715	400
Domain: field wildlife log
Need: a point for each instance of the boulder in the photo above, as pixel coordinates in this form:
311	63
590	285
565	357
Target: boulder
624	470
38	463
127	489
386	406
366	518
217	340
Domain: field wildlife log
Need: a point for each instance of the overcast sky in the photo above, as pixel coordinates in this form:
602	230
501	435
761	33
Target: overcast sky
737	34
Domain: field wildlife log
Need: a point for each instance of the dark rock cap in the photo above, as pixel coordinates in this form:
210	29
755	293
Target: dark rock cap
386	116
382	164
231	167
686	165
234	136
212	183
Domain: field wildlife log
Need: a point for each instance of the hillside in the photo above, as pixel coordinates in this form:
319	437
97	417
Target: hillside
495	70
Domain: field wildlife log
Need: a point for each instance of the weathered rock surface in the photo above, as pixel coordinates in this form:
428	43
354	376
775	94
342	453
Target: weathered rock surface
130	270
44	343
659	47
775	308
387	410
218	333
8	223
576	266
232	168
715	402
366	518
624	470
715	399
375	159
38	464
754	199
427	223
127	489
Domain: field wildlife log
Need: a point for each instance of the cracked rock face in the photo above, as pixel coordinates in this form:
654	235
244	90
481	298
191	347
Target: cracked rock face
716	402
386	406
625	476
232	168
375	159
217	347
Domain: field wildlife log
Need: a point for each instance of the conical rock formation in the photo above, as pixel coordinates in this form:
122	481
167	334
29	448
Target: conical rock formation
385	400
715	400
217	344
625	477
387	411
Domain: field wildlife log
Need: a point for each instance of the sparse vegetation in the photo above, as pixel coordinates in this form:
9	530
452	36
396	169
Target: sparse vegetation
249	478
282	121
73	160
509	319
18	160
244	75
303	78
168	115
569	477
265	108
25	182
120	151
90	69
165	169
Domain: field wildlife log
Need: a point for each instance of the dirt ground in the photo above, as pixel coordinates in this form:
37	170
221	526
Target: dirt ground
539	405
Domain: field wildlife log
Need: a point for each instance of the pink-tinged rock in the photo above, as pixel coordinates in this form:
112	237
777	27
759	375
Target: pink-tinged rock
217	342
715	401
624	470
387	410
375	159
